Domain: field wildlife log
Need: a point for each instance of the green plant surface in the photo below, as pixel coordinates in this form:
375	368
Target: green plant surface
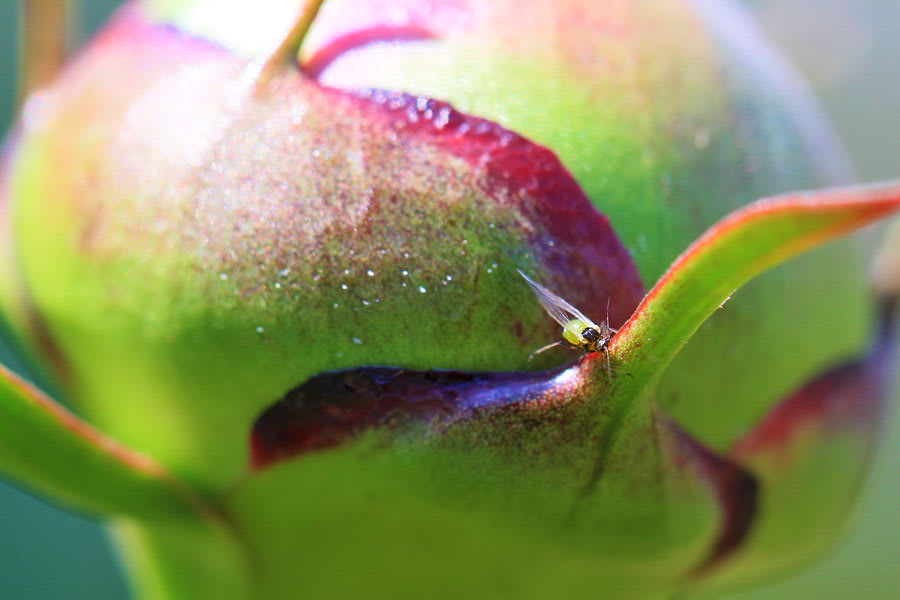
51	450
402	249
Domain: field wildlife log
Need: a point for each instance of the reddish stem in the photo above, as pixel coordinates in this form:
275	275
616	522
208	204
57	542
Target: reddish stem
44	42
323	57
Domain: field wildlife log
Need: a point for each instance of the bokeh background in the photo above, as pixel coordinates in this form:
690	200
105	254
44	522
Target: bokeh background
848	50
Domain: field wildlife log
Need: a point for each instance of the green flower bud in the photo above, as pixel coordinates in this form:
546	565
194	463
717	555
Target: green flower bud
288	276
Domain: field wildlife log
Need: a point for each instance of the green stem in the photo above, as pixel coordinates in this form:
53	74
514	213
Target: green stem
49	449
285	53
733	251
739	247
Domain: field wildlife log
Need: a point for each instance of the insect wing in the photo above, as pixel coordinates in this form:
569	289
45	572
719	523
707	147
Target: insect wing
561	311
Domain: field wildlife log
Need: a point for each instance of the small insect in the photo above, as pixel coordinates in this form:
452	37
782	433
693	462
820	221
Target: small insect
578	331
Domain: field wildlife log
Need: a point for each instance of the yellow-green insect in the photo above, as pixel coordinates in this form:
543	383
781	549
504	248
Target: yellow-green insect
578	331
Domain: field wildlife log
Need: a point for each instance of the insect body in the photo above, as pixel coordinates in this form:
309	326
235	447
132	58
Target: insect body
578	331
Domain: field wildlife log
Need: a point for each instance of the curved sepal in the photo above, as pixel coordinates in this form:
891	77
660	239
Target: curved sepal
740	246
45	447
737	248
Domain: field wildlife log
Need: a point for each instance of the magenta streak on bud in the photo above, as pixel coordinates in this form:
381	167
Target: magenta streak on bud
849	396
576	243
323	57
330	408
735	489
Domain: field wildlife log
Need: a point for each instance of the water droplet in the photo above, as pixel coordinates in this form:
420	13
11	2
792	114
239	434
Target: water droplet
356	340
404	272
491	225
443	118
344	286
223	276
316	277
259	329
277	285
449	277
370	273
335	305
403	284
366	303
285	272
422	289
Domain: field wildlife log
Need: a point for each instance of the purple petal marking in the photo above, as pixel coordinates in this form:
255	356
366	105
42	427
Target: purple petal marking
576	244
735	489
853	395
330	408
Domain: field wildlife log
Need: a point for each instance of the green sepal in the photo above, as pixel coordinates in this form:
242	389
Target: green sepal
739	247
47	448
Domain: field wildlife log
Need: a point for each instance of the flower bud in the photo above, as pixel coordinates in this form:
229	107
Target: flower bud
294	284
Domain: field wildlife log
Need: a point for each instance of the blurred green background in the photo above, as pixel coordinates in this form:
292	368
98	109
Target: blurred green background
849	50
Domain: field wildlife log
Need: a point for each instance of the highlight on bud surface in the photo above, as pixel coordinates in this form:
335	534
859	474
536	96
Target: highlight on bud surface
274	273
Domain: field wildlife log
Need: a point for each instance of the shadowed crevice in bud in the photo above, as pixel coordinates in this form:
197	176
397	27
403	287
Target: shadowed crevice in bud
575	243
330	408
324	56
849	396
735	489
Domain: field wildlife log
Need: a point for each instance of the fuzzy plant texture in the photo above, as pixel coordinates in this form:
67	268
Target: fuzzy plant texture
267	254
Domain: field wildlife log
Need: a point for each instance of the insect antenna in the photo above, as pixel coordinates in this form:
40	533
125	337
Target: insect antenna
608	325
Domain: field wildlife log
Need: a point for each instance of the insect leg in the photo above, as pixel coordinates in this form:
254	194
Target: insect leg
547	347
610	370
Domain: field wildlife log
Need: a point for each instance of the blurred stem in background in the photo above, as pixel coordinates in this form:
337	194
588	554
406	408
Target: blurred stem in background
44	43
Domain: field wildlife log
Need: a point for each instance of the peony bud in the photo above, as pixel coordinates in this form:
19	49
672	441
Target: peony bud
279	285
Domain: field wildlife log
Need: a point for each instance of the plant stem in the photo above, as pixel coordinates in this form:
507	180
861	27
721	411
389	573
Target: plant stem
285	52
44	41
